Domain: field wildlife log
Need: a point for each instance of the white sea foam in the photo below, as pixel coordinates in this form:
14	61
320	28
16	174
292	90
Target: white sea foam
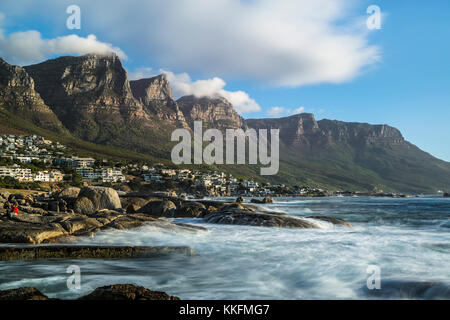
245	262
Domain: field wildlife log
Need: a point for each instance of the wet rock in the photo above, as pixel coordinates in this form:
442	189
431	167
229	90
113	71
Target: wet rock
101	197
265	200
446	195
335	221
22	294
190	209
53	227
126	292
240	200
404	289
88	252
162	208
251	217
14	231
111	292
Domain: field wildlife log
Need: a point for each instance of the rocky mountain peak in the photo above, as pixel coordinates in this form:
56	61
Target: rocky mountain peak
215	112
156	96
18	95
155	88
90	89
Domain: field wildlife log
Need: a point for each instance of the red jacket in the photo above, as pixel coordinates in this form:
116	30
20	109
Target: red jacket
16	210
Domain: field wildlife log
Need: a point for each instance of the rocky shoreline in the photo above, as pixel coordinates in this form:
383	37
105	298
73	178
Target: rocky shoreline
77	213
49	227
113	292
89	252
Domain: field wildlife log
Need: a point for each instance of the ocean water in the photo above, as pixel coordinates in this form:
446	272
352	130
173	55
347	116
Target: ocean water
407	239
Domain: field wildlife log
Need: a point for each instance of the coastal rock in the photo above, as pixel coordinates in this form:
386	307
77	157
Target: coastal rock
22	294
446	195
4	195
190	209
111	292
162	208
134	201
69	194
265	200
20	231
404	289
101	197
240	215
53	227
88	252
132	208
84	205
126	292
335	221
240	200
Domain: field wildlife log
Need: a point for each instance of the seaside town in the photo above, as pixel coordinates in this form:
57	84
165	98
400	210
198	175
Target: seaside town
34	162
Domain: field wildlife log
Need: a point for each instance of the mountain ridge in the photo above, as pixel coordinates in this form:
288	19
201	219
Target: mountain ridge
91	98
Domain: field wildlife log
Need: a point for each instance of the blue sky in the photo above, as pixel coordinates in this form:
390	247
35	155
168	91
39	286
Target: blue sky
399	75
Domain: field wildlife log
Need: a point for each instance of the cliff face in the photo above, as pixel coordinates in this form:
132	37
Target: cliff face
156	97
92	97
87	91
302	130
215	112
18	95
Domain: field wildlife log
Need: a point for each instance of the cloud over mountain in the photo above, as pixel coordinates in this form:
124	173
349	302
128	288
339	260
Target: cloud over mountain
28	47
280	43
182	85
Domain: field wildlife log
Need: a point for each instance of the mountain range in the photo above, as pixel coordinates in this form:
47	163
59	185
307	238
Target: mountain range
89	103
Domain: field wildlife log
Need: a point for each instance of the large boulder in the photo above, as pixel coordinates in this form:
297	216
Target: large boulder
161	208
101	197
69	194
133	201
191	209
22	294
84	205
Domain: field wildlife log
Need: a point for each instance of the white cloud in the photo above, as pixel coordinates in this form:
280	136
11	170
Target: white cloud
281	43
281	111
29	47
182	85
298	110
276	111
141	73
